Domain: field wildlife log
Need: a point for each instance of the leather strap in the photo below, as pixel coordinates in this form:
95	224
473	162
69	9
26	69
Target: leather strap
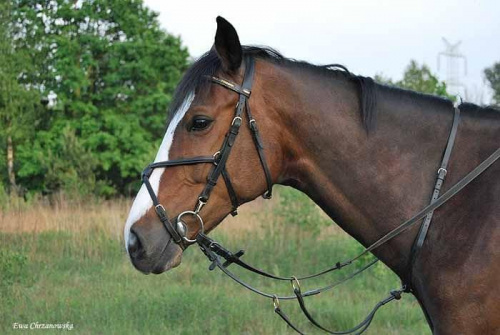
209	247
182	161
361	327
160	210
436	204
260	150
441	175
442	172
225	150
244	92
285	318
230	258
232	86
230	190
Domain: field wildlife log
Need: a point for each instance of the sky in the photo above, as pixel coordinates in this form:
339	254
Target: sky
369	37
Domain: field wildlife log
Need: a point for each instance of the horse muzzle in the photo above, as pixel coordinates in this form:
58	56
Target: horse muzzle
152	249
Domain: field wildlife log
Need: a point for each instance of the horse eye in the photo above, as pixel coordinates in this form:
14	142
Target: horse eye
200	123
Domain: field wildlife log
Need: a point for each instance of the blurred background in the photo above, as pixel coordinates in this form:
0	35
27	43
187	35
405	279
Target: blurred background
84	93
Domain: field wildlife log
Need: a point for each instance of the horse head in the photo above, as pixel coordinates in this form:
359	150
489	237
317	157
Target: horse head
213	154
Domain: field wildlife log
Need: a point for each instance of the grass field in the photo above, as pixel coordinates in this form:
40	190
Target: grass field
67	264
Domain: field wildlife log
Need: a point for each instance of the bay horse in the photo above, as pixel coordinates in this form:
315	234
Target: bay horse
366	153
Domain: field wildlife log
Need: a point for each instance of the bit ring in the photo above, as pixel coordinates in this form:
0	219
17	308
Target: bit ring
200	221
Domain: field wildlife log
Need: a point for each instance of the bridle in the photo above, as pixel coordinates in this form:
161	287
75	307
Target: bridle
218	159
215	252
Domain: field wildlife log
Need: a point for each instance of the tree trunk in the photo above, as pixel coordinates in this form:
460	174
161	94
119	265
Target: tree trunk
10	166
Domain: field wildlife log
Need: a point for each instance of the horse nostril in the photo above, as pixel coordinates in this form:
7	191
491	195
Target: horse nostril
133	243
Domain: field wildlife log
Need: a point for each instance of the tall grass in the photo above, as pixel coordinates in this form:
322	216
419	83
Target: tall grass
68	264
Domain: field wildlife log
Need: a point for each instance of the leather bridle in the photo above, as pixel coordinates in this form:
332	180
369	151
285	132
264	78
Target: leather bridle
219	160
215	251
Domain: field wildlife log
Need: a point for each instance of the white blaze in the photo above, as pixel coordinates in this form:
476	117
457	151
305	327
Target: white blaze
143	200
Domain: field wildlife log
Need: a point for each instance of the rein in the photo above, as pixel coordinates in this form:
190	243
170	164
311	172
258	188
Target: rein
216	253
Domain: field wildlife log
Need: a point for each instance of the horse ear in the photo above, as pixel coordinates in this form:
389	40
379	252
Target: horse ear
227	45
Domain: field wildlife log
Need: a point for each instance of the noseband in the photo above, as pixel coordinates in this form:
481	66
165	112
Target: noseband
218	159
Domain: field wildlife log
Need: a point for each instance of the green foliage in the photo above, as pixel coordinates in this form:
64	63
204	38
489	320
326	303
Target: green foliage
17	101
59	161
418	78
4	198
12	202
296	209
382	79
113	71
493	76
13	266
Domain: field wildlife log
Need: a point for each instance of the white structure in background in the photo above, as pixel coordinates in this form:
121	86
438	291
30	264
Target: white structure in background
453	58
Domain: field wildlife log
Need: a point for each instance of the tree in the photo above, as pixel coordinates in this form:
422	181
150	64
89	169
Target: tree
112	70
18	102
418	78
492	74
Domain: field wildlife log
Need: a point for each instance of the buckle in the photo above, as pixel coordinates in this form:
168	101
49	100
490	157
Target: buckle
236	119
295	284
442	170
216	157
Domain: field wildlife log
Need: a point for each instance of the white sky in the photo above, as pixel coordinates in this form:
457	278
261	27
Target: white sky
368	37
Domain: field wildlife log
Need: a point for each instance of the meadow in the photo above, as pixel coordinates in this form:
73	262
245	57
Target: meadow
66	262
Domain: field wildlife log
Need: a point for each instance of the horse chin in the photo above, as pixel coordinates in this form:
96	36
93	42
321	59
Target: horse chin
168	261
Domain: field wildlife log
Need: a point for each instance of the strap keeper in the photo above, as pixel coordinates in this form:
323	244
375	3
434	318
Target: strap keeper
234	130
253	125
160	210
233	258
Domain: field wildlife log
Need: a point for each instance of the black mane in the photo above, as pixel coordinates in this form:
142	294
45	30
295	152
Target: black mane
195	78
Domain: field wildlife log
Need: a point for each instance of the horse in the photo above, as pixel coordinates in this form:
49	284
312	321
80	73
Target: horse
366	153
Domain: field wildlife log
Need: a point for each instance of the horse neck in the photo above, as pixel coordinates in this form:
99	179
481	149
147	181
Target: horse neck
367	183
